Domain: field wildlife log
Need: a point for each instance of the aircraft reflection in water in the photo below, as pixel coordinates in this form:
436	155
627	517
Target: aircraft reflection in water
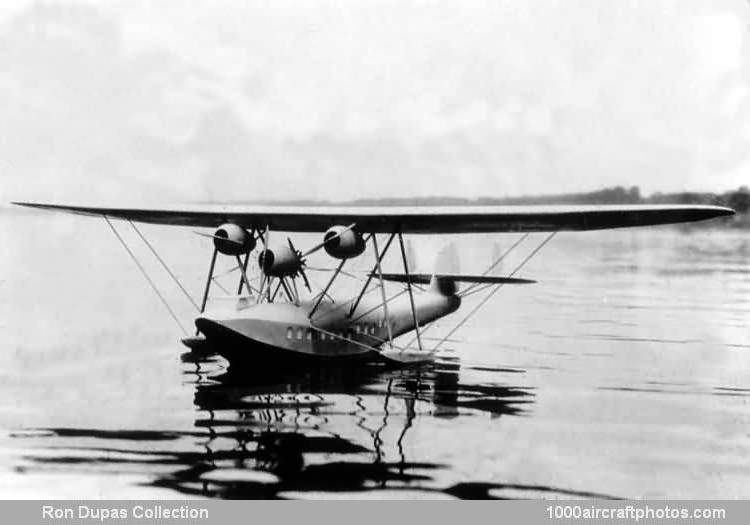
295	432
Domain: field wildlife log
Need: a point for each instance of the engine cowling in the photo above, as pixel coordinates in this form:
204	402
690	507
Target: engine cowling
342	243
279	260
231	239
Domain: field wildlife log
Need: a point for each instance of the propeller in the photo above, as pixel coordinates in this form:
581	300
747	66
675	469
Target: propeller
301	259
329	239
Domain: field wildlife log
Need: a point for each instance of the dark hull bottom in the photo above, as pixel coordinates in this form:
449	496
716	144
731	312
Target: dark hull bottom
241	351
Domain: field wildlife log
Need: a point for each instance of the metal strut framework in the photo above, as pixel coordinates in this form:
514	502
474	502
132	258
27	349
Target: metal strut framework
325	290
408	287
378	258
242	266
384	304
378	273
209	279
264	279
385	300
293	296
243	269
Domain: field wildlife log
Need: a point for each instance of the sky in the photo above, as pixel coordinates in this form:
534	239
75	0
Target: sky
175	101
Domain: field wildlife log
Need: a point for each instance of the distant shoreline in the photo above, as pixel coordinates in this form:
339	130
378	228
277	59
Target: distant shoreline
739	200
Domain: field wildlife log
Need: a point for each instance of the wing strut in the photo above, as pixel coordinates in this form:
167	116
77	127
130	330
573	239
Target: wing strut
263	277
378	258
296	292
288	292
325	290
243	277
276	291
408	286
209	279
371	274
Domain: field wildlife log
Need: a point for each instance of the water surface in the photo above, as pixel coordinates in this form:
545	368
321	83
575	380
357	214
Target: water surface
625	372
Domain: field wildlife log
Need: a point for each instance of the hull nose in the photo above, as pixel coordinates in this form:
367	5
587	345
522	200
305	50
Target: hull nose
206	326
219	335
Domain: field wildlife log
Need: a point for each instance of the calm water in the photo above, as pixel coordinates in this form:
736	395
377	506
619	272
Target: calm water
625	372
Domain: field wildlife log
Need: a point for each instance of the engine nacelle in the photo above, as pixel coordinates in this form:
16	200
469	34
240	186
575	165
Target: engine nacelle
231	239
279	260
342	243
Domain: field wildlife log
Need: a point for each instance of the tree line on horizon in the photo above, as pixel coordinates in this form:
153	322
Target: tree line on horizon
738	199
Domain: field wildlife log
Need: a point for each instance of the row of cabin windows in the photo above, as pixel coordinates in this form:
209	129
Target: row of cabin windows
301	333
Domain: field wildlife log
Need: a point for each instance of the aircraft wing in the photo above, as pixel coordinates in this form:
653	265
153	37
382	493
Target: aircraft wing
416	219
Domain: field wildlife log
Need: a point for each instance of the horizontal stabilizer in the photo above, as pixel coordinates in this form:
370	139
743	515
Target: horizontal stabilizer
424	278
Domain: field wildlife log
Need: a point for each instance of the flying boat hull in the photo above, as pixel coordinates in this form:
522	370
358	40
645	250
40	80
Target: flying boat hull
236	343
283	333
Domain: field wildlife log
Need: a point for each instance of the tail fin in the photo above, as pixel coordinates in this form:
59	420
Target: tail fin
447	261
446	277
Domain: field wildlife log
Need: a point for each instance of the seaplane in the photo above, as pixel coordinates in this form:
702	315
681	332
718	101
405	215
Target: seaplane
271	322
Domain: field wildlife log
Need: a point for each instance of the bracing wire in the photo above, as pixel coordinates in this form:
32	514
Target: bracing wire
145	274
341	305
492	293
494	264
471	290
222	288
164	265
379	305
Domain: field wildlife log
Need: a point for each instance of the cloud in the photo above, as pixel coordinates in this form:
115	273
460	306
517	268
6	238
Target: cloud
169	101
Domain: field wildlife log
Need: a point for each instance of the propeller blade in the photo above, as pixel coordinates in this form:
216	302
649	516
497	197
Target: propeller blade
295	250
315	248
264	237
301	260
211	236
322	244
304	278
